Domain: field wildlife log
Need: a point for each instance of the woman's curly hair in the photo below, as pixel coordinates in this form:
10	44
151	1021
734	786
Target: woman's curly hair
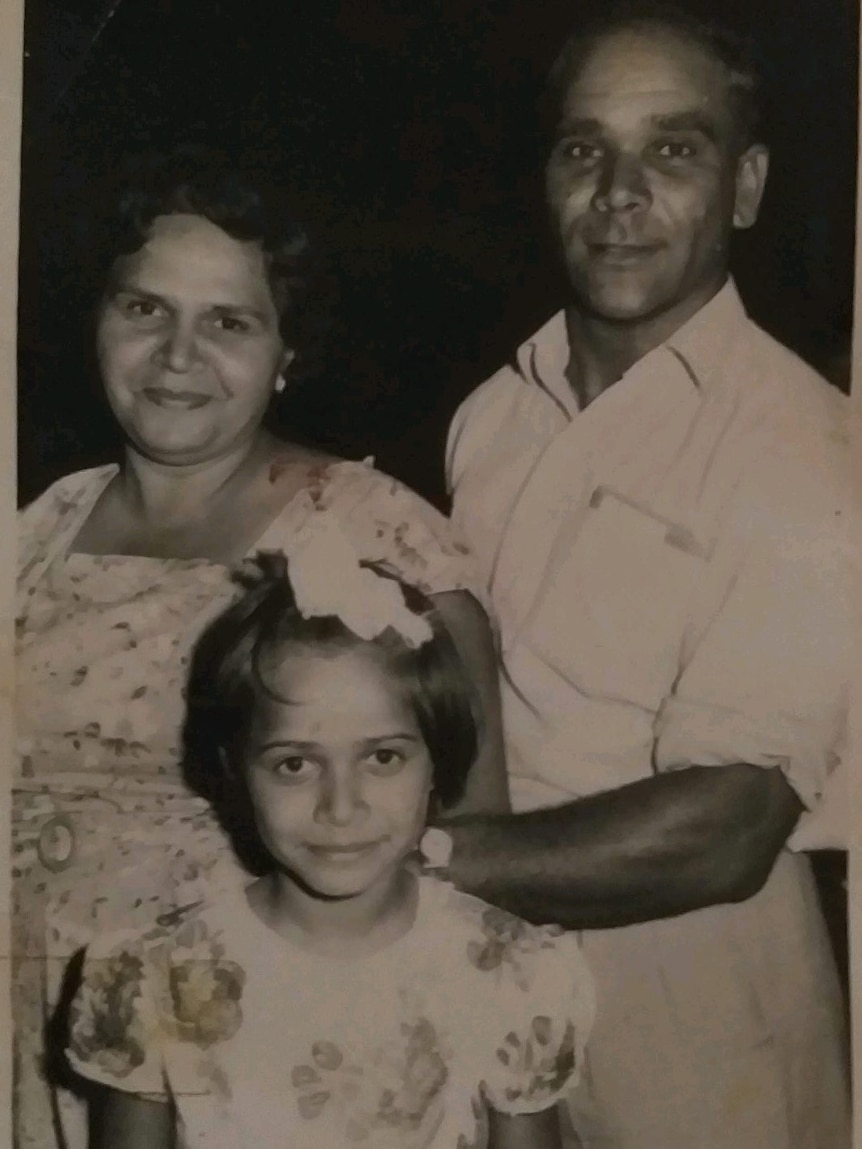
247	203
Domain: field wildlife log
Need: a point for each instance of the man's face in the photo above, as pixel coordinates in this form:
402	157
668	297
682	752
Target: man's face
644	181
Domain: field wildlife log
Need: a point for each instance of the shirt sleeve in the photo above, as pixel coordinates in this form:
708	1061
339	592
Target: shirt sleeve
115	1031
766	681
545	1013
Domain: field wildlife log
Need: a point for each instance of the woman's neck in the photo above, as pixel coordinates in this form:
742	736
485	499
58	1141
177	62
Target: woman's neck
160	493
355	926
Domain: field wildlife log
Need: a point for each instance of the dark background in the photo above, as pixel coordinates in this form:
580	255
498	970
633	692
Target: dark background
409	133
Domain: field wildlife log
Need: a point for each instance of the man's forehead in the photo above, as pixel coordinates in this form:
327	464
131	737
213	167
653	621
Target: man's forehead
655	69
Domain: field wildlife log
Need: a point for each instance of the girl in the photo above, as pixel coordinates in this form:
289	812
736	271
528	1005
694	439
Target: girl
346	997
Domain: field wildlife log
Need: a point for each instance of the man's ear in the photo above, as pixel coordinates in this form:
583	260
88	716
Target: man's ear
752	168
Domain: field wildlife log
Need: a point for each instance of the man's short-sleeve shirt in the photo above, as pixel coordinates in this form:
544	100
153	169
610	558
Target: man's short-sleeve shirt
675	568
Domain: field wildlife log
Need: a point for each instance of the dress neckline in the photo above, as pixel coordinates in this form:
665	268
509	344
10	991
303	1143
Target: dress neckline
106	474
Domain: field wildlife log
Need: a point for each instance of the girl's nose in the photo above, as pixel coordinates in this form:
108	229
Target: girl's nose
341	799
622	185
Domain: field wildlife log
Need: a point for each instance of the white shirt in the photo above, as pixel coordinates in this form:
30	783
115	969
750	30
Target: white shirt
672	567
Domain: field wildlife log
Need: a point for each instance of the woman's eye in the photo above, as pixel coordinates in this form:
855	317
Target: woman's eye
233	324
141	308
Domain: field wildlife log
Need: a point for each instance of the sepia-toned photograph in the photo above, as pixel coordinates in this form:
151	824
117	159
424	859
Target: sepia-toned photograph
439	582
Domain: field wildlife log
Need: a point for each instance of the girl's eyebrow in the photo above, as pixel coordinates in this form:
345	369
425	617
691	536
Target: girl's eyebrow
310	744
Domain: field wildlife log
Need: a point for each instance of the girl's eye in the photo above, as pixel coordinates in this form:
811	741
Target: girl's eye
294	768
385	760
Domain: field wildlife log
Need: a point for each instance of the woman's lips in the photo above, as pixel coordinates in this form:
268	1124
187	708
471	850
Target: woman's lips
166	397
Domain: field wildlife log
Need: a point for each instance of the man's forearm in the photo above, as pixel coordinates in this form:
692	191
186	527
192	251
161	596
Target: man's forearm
656	848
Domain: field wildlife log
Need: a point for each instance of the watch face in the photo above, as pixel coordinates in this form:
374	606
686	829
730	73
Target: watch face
436	848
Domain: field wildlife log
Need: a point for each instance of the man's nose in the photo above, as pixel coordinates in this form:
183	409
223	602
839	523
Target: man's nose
622	185
179	352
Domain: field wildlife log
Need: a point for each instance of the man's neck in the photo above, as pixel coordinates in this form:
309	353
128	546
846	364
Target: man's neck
602	351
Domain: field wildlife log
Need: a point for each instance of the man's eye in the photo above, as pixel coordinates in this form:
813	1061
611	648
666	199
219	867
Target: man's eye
675	150
581	151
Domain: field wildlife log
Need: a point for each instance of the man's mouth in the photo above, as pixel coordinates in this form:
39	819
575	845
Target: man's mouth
621	254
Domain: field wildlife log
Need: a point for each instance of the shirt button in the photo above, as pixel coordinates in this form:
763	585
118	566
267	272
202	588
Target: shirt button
56	846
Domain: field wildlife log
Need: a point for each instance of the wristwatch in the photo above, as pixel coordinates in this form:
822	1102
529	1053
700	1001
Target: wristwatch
436	848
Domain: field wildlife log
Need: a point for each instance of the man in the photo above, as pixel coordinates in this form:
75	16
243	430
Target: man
659	497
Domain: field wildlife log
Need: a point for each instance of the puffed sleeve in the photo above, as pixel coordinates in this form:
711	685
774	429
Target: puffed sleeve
546	1012
115	1031
390	525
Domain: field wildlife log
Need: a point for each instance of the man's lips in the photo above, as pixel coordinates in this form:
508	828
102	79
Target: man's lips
621	254
167	397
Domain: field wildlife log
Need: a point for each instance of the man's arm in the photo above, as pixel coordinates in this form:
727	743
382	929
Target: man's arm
656	848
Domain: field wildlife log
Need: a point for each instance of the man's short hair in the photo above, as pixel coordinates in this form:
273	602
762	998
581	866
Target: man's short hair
729	47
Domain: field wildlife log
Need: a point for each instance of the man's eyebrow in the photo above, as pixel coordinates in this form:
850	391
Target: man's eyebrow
582	125
238	309
692	121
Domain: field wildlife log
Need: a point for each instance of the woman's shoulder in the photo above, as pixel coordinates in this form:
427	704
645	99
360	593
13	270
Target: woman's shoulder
71	489
387	522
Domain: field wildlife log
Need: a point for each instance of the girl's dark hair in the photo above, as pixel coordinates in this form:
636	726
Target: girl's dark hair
225	684
734	50
246	203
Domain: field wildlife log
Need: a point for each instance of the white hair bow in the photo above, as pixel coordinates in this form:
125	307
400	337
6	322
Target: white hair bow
327	578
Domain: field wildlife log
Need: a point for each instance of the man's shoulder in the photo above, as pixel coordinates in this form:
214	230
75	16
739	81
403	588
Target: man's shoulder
784	375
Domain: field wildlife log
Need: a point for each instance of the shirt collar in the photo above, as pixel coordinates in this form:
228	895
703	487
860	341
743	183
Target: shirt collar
700	345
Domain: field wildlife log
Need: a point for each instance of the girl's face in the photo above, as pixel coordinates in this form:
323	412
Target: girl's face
338	772
188	342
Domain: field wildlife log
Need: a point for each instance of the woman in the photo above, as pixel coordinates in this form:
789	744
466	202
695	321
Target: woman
121	567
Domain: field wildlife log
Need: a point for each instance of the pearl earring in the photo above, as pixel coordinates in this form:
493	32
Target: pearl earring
280	384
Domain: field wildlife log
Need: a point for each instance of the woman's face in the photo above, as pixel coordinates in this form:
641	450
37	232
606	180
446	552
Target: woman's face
188	342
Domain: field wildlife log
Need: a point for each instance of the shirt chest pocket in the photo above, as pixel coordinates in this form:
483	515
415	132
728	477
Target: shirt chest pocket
615	603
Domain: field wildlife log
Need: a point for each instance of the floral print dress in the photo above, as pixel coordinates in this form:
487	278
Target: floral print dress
261	1044
105	833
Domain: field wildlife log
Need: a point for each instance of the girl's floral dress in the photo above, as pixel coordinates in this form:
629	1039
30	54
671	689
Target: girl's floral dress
260	1044
105	833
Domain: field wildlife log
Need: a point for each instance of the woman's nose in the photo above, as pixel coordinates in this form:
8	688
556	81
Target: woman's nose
341	799
622	185
179	351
